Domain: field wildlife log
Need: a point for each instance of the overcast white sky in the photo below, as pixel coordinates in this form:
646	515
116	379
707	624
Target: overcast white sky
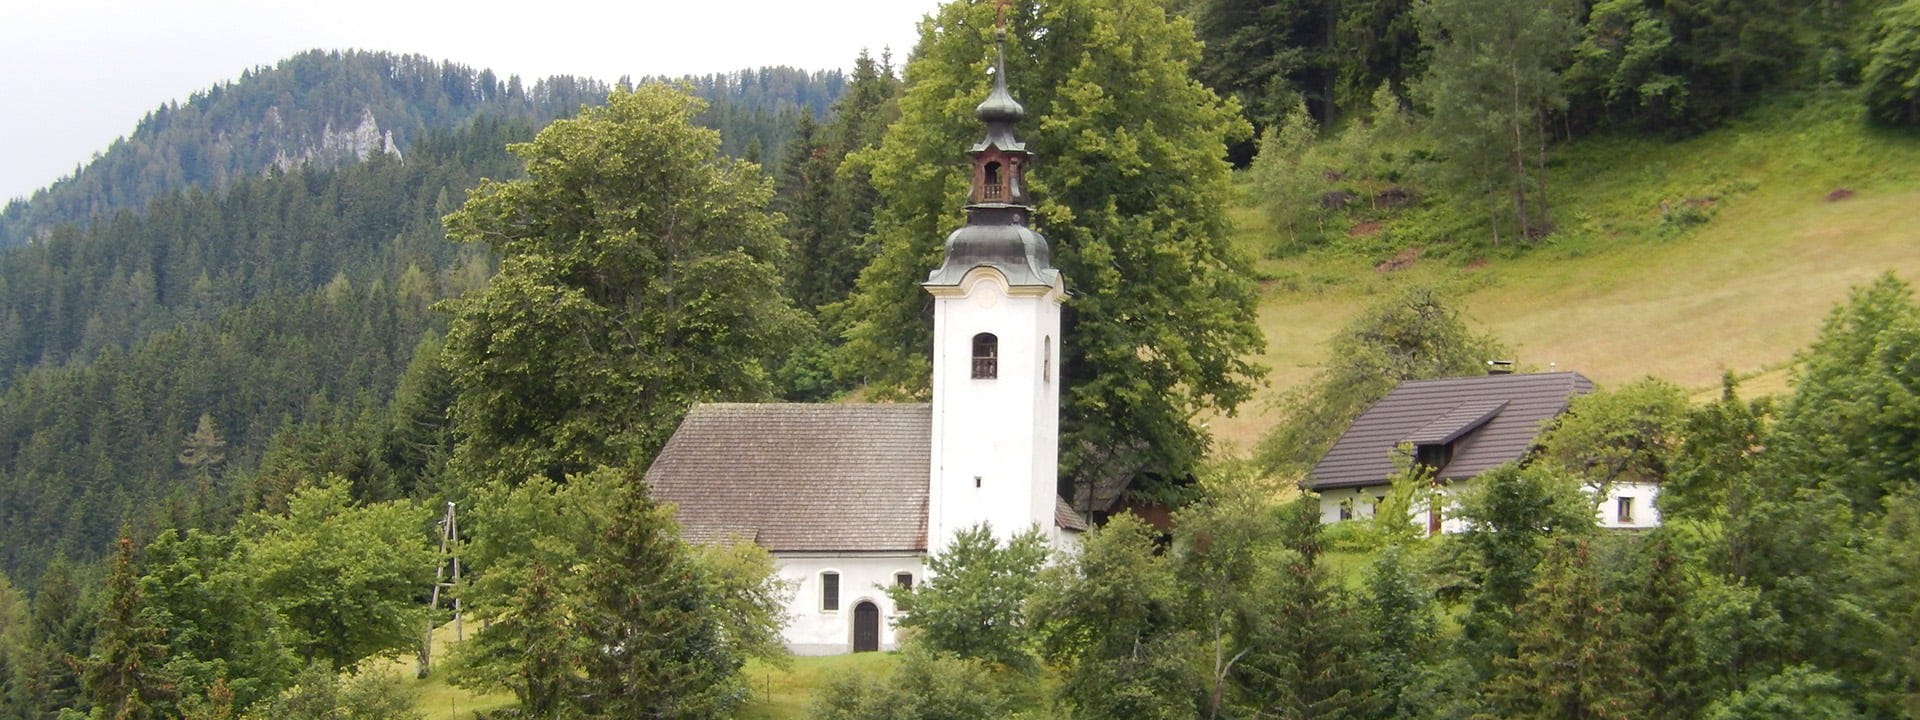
77	74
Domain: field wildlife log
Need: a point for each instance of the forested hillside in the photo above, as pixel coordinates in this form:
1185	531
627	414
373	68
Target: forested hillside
242	343
254	268
327	107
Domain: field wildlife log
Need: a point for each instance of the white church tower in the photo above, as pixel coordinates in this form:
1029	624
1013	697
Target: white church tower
996	348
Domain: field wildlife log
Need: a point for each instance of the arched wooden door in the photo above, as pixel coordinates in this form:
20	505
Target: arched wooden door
866	627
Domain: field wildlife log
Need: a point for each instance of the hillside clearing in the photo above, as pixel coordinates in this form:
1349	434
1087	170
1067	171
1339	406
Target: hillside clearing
1619	294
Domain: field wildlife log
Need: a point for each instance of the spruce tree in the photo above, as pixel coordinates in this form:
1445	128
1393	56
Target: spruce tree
1573	656
123	676
645	614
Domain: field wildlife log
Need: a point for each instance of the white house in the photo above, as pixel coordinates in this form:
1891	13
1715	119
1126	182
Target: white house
849	497
1459	428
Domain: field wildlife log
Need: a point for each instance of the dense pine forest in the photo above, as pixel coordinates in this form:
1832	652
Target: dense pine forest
248	351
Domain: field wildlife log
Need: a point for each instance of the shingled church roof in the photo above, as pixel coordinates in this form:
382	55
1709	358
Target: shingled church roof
1484	421
800	477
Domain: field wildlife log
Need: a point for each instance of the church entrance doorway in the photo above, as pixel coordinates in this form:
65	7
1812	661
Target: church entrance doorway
866	627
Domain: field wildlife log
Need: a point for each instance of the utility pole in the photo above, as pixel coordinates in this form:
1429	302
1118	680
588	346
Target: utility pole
446	574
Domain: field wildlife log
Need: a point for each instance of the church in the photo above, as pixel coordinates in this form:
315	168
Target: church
849	498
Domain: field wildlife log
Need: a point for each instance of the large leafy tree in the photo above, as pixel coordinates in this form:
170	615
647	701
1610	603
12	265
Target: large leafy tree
1627	434
1111	627
1853	422
1132	192
973	603
640	273
201	592
344	578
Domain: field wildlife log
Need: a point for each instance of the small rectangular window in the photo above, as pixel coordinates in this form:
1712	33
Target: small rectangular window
904	580
830	591
1624	509
1346	510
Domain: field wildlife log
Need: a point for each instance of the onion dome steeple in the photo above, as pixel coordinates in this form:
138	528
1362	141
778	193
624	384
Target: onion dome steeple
998	206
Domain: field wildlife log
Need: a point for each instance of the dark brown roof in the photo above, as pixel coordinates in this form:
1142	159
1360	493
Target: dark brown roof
800	477
1490	420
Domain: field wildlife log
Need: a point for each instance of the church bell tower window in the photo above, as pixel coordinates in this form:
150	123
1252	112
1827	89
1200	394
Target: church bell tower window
986	356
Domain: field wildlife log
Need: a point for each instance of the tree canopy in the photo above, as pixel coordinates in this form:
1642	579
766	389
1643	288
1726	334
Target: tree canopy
1131	193
640	273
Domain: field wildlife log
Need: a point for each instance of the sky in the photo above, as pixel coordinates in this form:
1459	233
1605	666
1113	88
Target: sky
77	74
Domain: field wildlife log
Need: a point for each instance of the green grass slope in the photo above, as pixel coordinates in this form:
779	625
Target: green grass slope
1680	260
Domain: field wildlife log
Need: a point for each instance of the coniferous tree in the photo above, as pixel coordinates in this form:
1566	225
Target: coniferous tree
61	629
1573	656
1310	653
644	613
1266	52
123	676
1513	516
1401	631
1492	85
1657	604
1892	76
13	627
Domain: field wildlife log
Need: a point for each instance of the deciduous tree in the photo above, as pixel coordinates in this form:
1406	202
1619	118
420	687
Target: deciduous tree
1412	335
640	273
973	603
344	578
1131	192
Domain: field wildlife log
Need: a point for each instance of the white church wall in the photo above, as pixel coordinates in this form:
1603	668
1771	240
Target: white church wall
812	630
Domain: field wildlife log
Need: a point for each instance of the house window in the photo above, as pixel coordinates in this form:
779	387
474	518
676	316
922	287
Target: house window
1346	510
1624	509
1433	456
903	579
986	356
829	591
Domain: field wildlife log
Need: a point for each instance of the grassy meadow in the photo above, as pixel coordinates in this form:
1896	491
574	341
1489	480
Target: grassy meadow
778	693
1681	260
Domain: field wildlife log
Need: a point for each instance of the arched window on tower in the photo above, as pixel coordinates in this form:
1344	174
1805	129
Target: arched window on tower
993	189
986	356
